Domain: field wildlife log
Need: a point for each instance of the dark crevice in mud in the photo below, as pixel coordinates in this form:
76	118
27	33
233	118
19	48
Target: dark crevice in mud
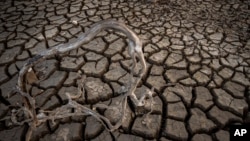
194	95
163	116
26	128
246	113
209	108
83	130
86	98
188	108
112	89
131	106
2	99
112	136
2	126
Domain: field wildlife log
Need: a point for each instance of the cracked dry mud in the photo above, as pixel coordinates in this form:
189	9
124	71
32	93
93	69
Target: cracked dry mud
201	46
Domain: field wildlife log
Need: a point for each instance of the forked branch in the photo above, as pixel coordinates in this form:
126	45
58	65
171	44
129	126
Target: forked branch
135	51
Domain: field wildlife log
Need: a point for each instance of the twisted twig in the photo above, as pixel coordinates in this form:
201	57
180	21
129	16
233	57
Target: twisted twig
135	50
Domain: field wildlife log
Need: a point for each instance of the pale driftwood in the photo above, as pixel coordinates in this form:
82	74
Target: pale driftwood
135	50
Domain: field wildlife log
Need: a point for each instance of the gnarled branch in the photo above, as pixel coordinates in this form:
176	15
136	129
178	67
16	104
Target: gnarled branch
135	50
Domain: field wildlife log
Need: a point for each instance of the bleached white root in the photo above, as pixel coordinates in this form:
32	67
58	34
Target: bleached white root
35	119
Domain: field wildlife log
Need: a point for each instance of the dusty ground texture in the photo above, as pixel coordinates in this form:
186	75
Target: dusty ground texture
202	46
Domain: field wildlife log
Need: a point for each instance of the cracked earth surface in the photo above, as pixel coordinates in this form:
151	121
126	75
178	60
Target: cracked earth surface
201	46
